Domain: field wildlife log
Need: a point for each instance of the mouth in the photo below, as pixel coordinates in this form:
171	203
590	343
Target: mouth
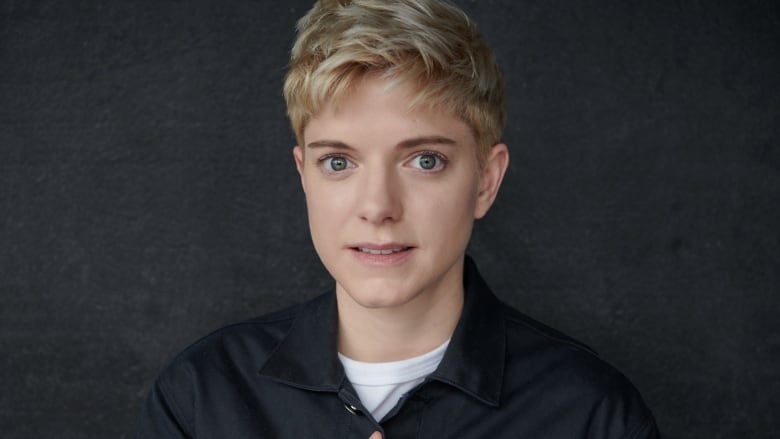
381	251
382	255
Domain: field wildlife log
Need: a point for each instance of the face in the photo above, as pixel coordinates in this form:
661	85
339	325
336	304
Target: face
392	194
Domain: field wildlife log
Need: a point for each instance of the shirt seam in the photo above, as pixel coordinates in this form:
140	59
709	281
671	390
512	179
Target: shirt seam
562	339
176	408
634	432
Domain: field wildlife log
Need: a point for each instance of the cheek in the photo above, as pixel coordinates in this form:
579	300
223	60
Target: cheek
326	206
317	209
321	222
446	210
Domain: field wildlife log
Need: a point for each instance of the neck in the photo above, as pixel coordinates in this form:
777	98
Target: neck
400	332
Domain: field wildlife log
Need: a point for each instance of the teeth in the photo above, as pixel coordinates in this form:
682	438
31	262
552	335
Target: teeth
381	252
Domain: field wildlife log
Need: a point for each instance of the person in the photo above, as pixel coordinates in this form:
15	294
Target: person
397	108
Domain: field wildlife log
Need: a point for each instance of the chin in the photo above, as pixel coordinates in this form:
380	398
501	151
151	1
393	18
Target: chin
370	295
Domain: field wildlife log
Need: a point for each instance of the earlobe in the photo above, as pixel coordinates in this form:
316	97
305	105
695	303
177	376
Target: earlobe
492	175
298	156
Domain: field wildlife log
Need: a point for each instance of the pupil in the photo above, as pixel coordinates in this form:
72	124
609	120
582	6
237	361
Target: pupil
427	161
338	164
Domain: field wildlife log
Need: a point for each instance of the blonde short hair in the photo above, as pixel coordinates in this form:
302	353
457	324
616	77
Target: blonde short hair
431	44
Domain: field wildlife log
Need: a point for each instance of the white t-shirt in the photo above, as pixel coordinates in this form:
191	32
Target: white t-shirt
381	385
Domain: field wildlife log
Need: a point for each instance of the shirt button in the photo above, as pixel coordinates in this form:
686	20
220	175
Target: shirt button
352	409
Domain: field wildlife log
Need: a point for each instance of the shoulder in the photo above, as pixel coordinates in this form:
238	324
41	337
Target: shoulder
542	349
540	342
564	372
546	354
239	347
211	379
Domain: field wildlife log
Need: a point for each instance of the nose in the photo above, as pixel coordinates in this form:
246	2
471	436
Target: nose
381	197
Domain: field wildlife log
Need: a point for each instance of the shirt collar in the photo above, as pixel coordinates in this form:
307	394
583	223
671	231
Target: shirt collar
474	361
307	357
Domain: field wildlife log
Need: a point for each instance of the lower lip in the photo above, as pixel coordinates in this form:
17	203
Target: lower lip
382	260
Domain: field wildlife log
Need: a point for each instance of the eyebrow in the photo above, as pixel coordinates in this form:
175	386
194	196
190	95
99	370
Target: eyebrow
408	143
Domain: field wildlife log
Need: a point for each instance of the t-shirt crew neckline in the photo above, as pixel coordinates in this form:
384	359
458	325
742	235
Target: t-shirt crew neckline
381	385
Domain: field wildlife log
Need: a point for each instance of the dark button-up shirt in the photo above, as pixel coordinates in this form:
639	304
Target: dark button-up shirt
503	375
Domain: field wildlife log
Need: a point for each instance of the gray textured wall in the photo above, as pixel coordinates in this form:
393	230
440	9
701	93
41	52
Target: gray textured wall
148	196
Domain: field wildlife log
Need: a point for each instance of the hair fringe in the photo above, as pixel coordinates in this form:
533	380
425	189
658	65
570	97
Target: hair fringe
430	44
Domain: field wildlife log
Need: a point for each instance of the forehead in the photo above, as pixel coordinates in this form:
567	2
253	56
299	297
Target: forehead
377	108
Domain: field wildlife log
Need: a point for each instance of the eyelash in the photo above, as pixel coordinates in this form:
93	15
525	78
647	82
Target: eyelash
442	160
323	163
440	157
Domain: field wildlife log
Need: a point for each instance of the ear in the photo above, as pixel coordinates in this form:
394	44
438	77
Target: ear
298	155
490	180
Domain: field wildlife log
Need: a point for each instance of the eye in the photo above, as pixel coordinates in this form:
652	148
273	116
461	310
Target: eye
428	161
336	163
